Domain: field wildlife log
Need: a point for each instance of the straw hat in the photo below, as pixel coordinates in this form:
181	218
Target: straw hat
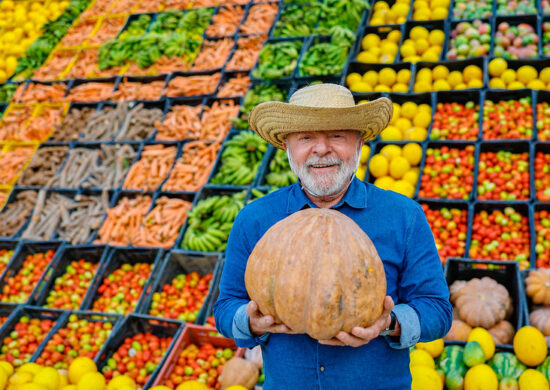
319	107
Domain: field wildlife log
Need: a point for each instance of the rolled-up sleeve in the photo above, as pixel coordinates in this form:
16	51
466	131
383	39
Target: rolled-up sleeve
422	285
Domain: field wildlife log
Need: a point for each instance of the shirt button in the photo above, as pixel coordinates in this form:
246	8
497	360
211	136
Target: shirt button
322	368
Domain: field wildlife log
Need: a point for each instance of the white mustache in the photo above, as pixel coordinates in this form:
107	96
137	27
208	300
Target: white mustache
314	160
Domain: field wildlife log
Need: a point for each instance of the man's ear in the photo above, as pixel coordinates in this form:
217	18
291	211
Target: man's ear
284	145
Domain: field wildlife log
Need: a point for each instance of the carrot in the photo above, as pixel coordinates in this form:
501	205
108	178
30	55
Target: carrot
138	91
77	34
260	18
247	53
149	6
235	86
16	97
44	93
84	64
181	122
122	6
55	66
151	169
192	85
39	128
108	30
176	4
205	3
14	122
160	228
213	54
193	168
225	22
3	198
120	226
13	163
91	92
216	120
100	7
235	2
165	65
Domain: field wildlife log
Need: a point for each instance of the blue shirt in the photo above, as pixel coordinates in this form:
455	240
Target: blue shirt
400	232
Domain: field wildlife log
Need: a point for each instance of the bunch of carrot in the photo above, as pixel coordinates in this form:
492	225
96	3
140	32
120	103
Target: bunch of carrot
53	68
182	122
77	34
99	7
165	65
235	86
128	90
260	18
192	85
151	169
84	65
13	163
108	29
247	53
193	168
216	120
123	221
37	92
14	121
213	54
161	226
225	22
91	92
40	127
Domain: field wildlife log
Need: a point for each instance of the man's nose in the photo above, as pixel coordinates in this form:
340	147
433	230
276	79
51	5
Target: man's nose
321	146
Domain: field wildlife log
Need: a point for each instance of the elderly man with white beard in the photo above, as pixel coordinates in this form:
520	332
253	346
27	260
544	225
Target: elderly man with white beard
322	131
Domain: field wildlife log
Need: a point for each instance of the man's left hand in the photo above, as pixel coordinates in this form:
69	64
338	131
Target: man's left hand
361	336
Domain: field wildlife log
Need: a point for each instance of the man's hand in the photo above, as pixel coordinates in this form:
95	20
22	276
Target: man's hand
260	324
361	336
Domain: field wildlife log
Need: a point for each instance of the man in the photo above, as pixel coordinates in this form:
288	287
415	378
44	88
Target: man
322	131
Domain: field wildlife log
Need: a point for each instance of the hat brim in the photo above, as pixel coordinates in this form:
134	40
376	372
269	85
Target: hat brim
273	121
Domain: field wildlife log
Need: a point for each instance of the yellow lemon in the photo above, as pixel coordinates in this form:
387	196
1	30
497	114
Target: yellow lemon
409	110
382	88
403	123
424	74
391	133
91	381
533	380
375	51
47	377
419	32
425	108
401	9
544	74
362	101
361	172
424	378
497	66
481	377
160	388
422	14
3	379
419	4
387	76
6	5
353	78
360	87
422	119
526	73
440	72
388	48
3	76
11	65
370	40
475	83
79	367
367	56
20	378
380	5
399	166
384	182
32	368
394	36
32	386
413	153
403	187
422	86
461	86
416	134
391	151
484	338
434	348
371	78
508	76
454	78
396	112
472	72
436	37
530	346
430	56
515	85
407	50
63	379
119	381
421	45
536	84
68	387
496	83
192	385
441	85
411	176
376	21
440	13
365	153
386	59
6	366
378	165
399	87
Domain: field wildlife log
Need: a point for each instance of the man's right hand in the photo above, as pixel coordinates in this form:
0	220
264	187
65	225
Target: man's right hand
260	324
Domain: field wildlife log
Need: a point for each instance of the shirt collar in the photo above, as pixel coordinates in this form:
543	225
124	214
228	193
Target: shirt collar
355	196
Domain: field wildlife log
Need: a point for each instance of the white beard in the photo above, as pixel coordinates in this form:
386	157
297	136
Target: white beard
325	184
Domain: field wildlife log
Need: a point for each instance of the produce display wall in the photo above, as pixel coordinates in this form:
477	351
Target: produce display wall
123	129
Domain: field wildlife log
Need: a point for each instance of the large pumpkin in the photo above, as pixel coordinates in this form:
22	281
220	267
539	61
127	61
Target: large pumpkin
317	272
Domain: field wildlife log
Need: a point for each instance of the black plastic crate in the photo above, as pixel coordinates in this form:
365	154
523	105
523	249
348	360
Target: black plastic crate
182	262
132	325
461	97
362	68
484	39
14	197
68	254
458	65
515	20
430	26
536	248
504	273
542	134
116	259
382	32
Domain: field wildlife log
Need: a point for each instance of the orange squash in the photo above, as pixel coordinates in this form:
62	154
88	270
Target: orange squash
459	331
317	272
537	286
238	371
503	332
